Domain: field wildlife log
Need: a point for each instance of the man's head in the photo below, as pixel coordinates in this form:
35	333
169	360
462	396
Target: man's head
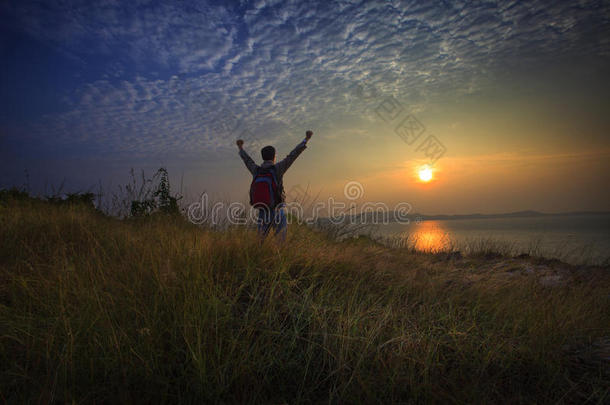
268	153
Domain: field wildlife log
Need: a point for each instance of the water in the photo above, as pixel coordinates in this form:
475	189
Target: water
575	239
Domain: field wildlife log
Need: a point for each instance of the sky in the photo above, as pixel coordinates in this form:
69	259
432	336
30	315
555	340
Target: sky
506	101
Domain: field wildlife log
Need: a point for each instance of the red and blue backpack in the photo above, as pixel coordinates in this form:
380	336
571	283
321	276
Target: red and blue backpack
265	191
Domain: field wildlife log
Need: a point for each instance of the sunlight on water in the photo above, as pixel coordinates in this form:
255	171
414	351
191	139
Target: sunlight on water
430	236
574	238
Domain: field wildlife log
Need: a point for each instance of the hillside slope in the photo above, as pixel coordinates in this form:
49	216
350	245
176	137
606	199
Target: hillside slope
158	310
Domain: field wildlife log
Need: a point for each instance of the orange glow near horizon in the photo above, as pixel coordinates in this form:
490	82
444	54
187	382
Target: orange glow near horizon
430	236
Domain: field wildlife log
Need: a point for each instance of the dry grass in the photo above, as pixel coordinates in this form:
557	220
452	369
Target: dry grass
93	309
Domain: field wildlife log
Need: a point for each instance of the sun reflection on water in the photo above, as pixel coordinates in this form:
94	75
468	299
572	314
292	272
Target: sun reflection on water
429	236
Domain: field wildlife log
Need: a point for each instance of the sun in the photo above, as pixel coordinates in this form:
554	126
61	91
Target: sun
425	174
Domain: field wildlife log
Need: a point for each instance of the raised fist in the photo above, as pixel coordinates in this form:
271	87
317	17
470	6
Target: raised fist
308	134
239	143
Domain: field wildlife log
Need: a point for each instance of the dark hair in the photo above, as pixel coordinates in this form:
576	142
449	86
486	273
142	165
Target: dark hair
268	153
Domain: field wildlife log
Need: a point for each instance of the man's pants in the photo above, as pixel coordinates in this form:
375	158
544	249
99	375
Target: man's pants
275	219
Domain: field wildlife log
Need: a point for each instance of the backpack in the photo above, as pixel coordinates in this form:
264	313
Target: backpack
265	192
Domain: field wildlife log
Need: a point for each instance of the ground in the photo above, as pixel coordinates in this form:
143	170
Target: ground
96	309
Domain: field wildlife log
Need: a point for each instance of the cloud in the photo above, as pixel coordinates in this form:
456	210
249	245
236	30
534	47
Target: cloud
276	66
183	36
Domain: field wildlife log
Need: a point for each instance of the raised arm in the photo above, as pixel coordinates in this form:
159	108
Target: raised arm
250	165
283	165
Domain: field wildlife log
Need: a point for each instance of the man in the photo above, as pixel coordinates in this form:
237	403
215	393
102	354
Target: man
275	216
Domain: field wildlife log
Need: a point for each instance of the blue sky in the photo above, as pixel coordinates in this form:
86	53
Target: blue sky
91	89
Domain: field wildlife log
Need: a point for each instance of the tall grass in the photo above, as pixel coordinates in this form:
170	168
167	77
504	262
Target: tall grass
94	309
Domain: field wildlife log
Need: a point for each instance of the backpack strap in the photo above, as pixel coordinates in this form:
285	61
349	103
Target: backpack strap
270	169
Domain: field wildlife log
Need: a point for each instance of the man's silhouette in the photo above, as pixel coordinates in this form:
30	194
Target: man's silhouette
273	216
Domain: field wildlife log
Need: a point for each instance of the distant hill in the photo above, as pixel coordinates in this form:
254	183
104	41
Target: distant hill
392	217
517	214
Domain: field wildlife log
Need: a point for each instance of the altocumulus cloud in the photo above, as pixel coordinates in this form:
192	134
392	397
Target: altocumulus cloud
169	70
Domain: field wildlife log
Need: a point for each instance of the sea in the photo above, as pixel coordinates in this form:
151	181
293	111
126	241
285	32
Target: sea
573	238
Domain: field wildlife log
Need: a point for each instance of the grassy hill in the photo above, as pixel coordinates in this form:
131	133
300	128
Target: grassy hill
95	309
